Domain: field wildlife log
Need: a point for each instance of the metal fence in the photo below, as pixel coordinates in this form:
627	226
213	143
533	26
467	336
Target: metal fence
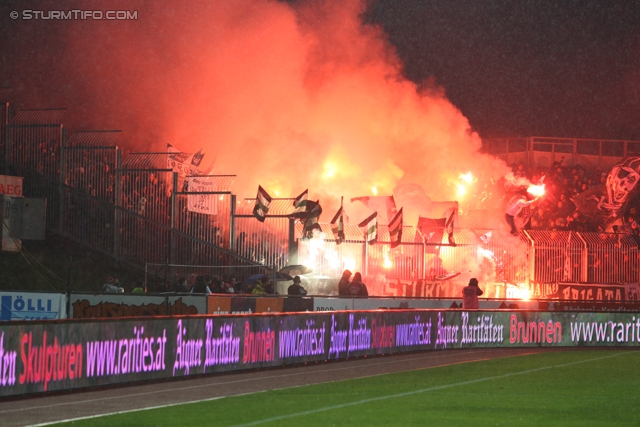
542	152
496	259
137	210
610	258
168	275
265	242
90	163
556	256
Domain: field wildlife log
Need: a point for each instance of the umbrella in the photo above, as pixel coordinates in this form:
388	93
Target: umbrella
296	270
256	277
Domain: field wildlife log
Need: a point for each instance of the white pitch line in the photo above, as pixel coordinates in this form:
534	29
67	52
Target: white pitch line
216	384
409	393
289	387
89	417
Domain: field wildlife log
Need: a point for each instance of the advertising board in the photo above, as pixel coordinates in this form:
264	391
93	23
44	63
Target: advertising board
90	306
39	357
334	304
32	306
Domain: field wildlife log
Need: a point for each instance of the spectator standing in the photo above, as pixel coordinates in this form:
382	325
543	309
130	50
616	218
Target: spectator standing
296	289
470	294
357	288
516	205
343	285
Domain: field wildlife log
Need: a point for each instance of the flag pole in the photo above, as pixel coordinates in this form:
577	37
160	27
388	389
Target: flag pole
365	261
340	249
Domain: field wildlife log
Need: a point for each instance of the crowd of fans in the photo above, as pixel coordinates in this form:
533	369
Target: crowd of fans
557	210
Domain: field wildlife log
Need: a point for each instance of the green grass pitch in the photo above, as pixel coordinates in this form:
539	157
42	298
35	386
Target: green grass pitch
572	388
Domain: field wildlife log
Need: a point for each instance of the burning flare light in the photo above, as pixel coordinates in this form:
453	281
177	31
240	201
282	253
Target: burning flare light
387	264
522	293
465	179
536	190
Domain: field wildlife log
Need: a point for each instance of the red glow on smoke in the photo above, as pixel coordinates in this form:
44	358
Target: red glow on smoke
284	96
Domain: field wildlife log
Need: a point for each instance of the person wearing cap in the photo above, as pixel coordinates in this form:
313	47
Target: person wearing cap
470	294
296	289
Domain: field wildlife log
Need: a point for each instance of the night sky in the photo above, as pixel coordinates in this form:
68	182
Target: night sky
514	68
524	68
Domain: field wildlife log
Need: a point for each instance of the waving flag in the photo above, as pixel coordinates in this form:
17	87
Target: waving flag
486	237
177	160
371	224
300	203
193	168
395	229
313	211
449	228
337	225
263	200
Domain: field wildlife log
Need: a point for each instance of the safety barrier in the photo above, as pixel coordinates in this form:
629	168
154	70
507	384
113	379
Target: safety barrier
41	357
135	210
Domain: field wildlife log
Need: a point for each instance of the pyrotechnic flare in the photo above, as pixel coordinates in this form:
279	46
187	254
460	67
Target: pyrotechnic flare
467	177
536	190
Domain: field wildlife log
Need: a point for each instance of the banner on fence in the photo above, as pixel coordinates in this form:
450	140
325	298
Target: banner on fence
11	185
202	203
32	306
88	306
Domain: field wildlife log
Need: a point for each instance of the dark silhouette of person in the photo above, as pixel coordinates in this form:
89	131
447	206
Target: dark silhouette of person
296	289
357	288
343	284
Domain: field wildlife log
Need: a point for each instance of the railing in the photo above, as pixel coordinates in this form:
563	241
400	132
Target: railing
542	152
135	211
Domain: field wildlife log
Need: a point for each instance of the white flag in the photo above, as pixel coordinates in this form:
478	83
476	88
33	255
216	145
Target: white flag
202	203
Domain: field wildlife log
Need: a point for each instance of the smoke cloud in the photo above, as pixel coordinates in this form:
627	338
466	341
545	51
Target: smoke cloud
284	95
